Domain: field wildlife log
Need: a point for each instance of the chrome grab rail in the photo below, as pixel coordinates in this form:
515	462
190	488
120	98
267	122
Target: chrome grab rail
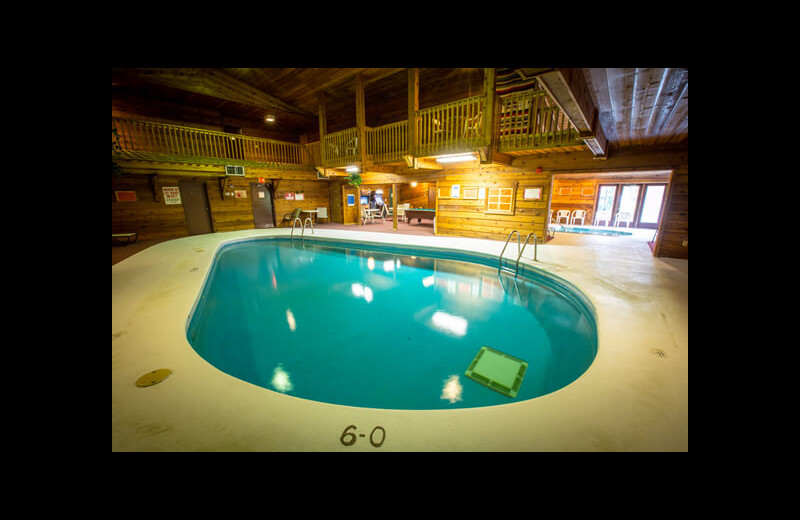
519	240
535	248
302	226
311	223
520	249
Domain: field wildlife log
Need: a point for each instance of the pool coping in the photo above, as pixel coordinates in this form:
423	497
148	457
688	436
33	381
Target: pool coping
630	399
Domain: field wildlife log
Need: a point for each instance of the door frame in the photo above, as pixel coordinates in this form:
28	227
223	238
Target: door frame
204	190
641	205
268	187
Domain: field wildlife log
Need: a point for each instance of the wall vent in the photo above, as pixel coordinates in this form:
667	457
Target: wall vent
237	171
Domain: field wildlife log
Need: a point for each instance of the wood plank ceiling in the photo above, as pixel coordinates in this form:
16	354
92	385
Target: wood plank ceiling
637	106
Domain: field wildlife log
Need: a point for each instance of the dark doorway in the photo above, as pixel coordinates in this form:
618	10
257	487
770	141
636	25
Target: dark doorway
263	212
195	206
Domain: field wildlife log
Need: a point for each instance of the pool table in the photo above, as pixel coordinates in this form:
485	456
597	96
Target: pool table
419	214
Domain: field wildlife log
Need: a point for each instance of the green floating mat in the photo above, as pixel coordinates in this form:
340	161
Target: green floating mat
498	371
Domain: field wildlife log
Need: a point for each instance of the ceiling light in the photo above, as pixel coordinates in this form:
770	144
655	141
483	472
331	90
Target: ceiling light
270	118
461	157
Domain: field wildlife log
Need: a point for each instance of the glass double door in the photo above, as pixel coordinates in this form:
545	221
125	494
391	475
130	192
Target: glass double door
633	205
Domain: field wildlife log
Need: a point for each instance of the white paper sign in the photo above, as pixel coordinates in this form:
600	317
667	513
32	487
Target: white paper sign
172	194
455	189
533	193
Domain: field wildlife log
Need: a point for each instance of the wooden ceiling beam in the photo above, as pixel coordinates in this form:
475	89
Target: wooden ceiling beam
569	90
215	83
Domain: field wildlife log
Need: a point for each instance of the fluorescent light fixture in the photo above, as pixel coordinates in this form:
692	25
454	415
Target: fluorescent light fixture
452	158
270	118
351	169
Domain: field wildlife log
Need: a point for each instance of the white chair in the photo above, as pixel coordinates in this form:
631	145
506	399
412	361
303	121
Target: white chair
366	214
622	216
602	215
562	213
550	217
472	125
351	148
322	212
577	214
401	211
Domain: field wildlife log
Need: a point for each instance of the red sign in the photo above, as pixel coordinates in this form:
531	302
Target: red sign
125	196
262	180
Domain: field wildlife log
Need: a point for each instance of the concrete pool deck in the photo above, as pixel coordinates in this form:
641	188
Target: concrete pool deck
634	397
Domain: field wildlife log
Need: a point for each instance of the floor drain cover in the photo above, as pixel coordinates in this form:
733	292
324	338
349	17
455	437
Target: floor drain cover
153	378
498	371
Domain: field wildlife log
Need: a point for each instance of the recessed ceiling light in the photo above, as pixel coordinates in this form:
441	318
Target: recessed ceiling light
270	118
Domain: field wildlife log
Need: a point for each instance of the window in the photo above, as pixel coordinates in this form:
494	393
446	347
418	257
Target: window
500	200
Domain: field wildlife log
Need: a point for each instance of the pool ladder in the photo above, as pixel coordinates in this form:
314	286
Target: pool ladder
302	225
520	249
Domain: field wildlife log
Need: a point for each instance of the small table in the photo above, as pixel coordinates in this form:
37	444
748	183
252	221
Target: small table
419	214
370	213
314	211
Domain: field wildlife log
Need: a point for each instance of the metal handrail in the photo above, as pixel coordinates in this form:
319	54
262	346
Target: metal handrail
519	240
520	250
311	223
302	226
294	222
535	249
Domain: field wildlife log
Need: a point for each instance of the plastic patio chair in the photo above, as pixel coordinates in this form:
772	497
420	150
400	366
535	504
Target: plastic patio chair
577	214
622	216
289	217
366	214
602	215
562	213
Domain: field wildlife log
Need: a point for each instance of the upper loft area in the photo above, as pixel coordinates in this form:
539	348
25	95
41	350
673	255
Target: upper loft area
390	120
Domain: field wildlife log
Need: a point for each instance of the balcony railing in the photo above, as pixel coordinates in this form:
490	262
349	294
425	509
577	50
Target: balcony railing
530	120
388	143
340	148
451	127
153	140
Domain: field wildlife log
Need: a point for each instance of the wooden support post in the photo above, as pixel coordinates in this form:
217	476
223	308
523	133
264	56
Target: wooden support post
488	116
413	107
361	129
156	188
394	206
323	125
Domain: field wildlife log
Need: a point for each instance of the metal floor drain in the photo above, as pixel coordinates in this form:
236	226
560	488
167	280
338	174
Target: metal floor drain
153	378
660	353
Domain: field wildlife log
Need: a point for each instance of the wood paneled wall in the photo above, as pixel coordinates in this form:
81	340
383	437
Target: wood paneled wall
673	235
469	217
145	216
152	218
572	194
580	192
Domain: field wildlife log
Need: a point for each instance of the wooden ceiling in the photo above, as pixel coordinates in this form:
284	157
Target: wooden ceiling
637	106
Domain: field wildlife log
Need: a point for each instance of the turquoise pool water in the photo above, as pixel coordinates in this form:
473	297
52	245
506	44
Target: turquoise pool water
590	231
384	326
